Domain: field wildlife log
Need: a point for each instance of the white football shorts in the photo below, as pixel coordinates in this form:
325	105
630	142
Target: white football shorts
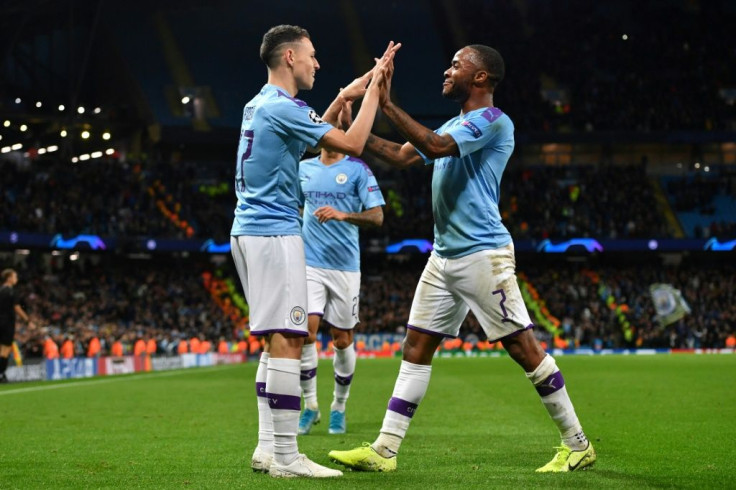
334	295
272	270
484	282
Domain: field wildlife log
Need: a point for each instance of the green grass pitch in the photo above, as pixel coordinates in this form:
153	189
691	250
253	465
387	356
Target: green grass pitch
656	421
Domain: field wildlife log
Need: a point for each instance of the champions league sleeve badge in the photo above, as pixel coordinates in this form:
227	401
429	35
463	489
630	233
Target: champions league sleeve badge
314	117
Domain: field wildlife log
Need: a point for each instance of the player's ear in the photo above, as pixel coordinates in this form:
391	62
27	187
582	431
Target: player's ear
289	57
481	77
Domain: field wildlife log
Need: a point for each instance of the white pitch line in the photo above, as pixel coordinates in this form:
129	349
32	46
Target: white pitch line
109	379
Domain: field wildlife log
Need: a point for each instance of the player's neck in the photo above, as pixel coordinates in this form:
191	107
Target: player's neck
330	157
477	102
283	79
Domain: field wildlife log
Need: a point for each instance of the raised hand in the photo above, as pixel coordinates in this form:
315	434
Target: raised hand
356	89
345	118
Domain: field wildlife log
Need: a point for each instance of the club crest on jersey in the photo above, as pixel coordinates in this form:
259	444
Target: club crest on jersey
298	315
314	117
341	178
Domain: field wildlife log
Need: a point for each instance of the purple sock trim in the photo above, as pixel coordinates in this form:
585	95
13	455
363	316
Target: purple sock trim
343	380
261	390
402	407
554	382
284	402
308	374
513	334
429	332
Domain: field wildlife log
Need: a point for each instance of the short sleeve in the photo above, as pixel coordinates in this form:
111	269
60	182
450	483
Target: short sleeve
368	189
296	119
478	131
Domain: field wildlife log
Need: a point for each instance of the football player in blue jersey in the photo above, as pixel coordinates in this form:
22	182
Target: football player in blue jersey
266	240
472	266
340	195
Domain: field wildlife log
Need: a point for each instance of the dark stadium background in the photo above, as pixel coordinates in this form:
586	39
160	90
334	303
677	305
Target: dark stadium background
116	208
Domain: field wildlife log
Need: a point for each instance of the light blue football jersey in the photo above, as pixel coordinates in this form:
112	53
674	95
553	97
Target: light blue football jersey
466	189
348	186
274	135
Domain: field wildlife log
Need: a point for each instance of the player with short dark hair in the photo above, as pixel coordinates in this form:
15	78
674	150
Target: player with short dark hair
472	266
266	241
9	308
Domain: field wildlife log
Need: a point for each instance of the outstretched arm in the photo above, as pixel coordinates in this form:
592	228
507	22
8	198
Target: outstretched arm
433	145
396	155
353	141
367	218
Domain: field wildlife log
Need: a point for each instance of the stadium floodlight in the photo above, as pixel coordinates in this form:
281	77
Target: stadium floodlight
41	151
17	100
80	109
6	123
84	157
109	151
96	154
75	159
106	135
23	128
74	256
63	133
85	134
39	104
5	149
97	110
16	146
52	148
185	100
706	169
61	107
697	164
1	137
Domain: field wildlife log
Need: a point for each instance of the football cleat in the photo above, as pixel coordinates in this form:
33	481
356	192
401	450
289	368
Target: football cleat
338	424
363	458
261	461
568	460
307	420
303	467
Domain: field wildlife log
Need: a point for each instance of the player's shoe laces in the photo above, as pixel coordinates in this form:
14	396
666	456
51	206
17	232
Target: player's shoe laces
307	420
338	424
261	461
363	458
303	467
568	460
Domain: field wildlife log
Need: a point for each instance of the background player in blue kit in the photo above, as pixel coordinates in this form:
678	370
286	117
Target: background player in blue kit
266	240
340	195
472	266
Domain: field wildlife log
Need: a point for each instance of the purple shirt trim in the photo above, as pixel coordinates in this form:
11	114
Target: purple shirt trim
298	102
316	313
429	332
513	334
278	401
343	380
402	407
308	374
554	382
261	390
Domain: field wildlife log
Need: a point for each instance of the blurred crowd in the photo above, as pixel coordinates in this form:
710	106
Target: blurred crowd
125	306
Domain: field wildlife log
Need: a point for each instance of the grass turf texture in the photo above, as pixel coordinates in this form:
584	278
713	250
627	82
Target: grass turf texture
656	421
